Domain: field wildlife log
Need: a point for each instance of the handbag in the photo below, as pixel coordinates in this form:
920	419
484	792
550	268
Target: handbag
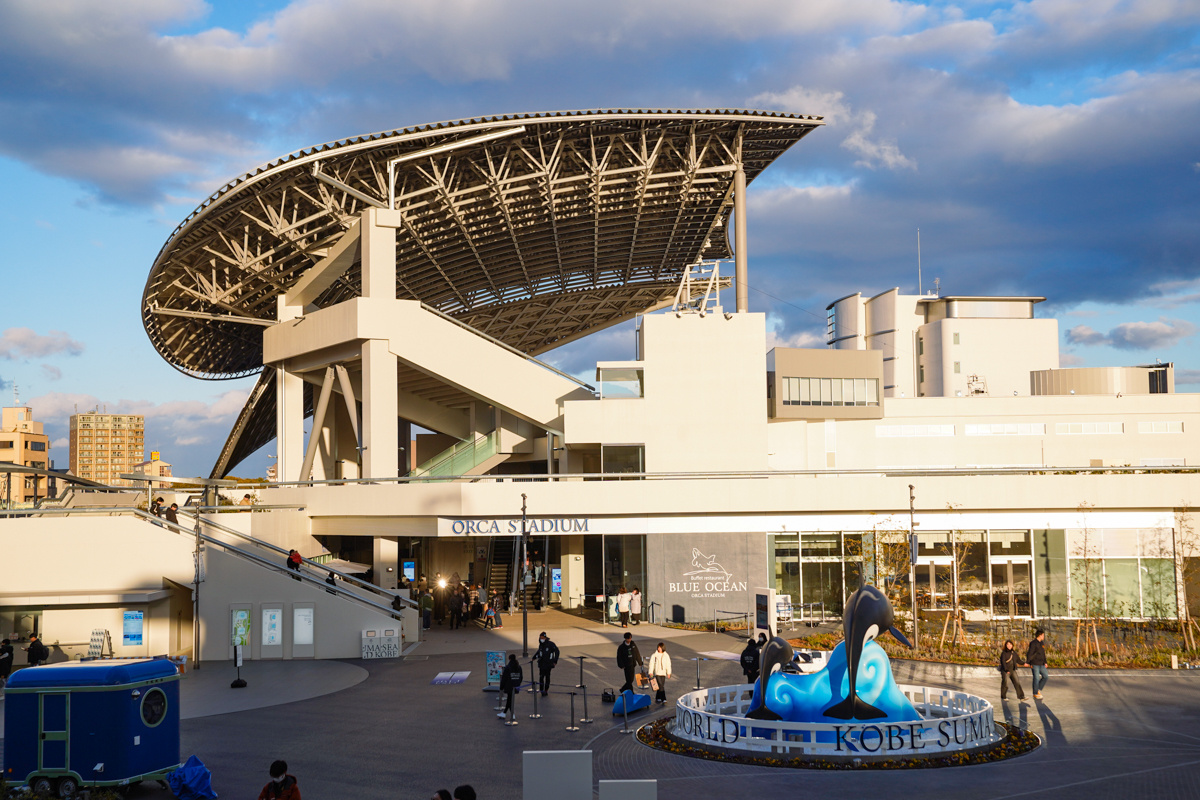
654	684
640	680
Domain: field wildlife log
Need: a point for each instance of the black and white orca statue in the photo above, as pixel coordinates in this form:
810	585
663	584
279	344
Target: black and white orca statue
776	656
868	614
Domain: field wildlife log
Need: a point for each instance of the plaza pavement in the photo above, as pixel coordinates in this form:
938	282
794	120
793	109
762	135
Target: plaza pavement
379	729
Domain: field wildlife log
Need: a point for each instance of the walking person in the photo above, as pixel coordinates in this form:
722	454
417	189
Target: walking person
628	659
282	786
426	606
660	671
464	792
172	514
6	661
1008	671
750	661
38	652
635	606
547	659
1035	659
624	599
510	682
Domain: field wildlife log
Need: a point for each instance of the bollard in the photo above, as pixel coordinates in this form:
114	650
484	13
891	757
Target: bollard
625	711
512	713
580	684
697	673
571	726
586	719
535	714
533	681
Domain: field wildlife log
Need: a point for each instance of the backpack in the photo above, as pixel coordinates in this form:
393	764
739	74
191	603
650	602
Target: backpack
608	696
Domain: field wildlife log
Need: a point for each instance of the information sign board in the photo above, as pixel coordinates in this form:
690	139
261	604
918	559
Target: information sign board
494	665
132	628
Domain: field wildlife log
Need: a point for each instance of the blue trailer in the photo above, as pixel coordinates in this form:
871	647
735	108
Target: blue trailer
91	723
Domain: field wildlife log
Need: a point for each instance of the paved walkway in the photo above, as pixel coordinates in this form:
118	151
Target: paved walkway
396	735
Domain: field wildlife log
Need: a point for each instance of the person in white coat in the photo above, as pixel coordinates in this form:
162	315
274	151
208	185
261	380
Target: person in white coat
624	598
635	606
660	671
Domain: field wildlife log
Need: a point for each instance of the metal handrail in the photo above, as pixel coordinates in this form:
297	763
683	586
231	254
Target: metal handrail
175	527
508	347
345	576
737	474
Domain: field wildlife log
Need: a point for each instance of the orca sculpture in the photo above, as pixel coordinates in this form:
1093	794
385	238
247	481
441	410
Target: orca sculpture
868	614
776	653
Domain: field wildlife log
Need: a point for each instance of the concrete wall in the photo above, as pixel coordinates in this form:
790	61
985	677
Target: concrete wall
1001	352
233	582
694	577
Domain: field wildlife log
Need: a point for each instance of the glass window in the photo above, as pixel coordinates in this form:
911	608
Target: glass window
1009	543
872	392
622	458
956	342
1121	593
805	391
848	391
1156	543
957	367
1087	587
820	544
836	386
624	382
1158	587
1121	543
826	391
786	391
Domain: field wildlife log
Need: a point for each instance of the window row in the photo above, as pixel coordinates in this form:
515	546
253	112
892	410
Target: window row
830	391
1007	429
1160	427
892	431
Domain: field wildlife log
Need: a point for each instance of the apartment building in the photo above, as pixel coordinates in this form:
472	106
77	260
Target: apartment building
105	446
22	442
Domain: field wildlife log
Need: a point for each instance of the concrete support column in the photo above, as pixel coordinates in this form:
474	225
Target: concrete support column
378	257
289	424
572	564
380	410
386	557
741	267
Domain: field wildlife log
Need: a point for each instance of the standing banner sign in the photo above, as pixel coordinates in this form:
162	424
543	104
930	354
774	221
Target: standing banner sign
556	580
132	627
494	665
241	627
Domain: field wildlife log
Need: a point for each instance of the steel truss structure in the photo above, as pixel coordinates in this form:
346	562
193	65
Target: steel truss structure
536	229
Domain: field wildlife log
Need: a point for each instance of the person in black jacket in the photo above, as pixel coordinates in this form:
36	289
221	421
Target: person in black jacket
750	658
1008	671
510	682
6	660
1035	659
628	659
547	659
37	651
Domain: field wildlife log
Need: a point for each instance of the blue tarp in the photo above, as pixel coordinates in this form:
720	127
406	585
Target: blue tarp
192	781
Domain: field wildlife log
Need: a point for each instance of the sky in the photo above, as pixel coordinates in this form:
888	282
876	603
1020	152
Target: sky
1043	148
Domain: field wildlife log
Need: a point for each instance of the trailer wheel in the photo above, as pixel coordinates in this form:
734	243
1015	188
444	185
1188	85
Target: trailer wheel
67	787
41	786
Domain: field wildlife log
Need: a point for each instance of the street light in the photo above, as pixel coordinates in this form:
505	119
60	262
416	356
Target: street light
521	579
912	560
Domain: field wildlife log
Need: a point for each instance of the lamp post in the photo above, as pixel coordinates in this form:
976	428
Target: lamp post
524	603
912	561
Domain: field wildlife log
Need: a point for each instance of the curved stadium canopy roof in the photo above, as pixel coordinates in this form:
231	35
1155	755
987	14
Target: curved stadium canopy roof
535	228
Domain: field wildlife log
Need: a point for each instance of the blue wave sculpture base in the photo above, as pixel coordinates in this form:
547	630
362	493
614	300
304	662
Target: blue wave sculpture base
797	697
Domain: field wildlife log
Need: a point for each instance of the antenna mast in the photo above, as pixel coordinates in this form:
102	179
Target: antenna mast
919	287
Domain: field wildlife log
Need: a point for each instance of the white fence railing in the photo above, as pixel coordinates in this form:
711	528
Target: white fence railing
951	721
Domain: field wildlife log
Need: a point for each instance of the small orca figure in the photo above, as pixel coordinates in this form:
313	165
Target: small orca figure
776	653
868	614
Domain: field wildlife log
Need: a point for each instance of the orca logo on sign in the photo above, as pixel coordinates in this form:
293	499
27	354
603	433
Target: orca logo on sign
709	579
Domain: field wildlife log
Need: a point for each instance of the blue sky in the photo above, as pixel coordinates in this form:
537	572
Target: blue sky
1045	148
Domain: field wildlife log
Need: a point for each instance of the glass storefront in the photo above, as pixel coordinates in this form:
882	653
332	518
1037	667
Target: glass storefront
1125	573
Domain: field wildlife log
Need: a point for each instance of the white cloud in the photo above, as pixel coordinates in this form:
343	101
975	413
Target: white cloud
51	372
855	127
18	343
1070	360
1134	335
1187	376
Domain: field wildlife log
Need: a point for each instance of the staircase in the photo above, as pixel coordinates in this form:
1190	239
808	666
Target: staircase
473	457
501	566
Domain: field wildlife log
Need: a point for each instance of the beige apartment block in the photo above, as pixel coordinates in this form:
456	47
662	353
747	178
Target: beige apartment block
155	467
106	446
22	442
